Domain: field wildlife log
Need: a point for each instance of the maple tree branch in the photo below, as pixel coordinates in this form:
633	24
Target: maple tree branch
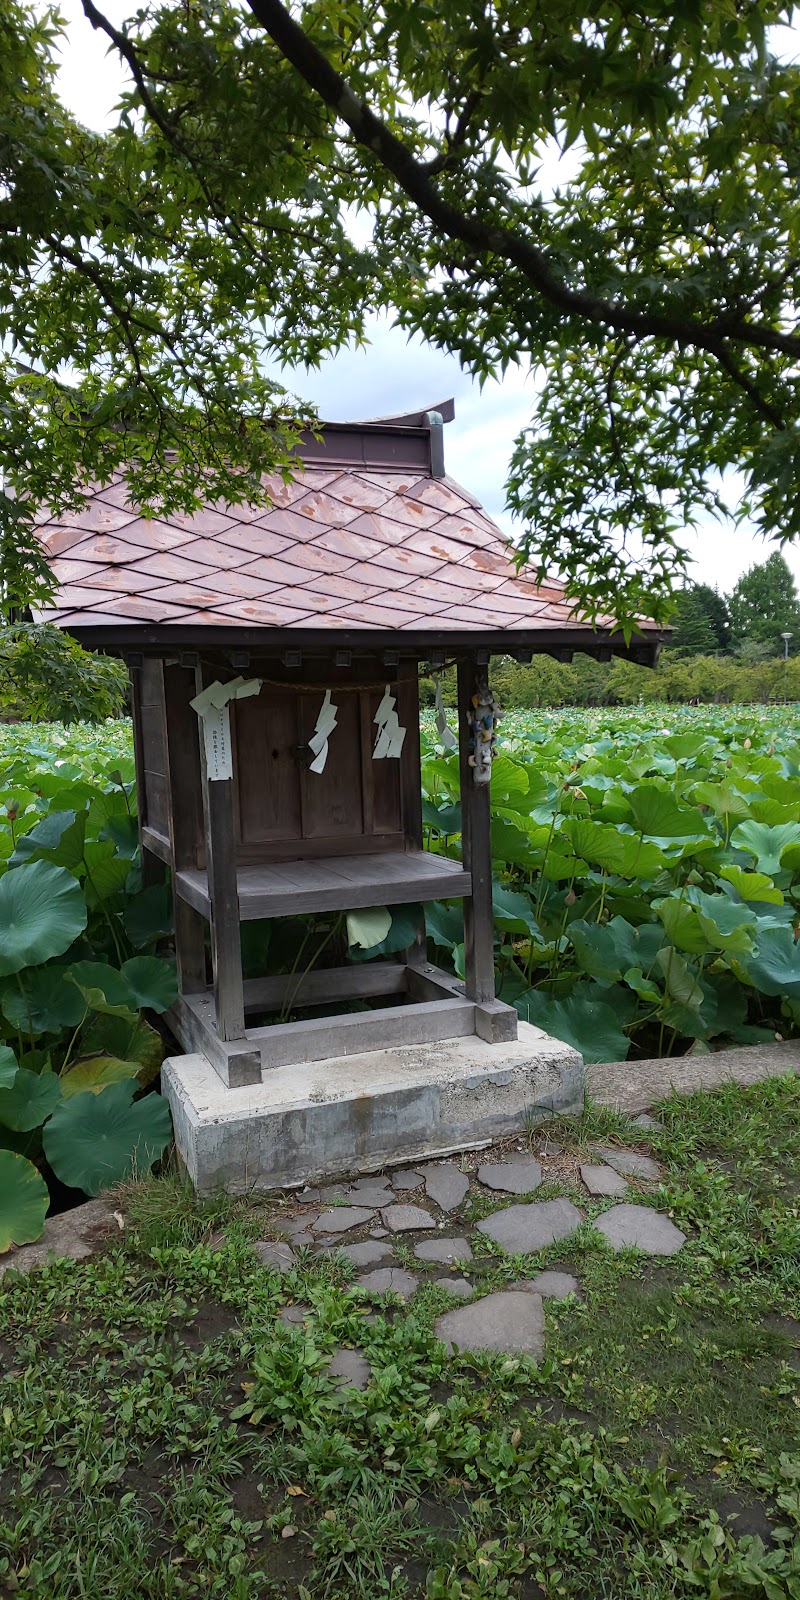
414	179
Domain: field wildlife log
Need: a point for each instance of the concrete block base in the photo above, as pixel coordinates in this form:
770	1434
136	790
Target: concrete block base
360	1113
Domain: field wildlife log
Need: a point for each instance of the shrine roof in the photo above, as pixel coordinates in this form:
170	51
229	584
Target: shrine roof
370	538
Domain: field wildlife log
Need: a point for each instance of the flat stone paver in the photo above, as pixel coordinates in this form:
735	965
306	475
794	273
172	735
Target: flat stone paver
551	1285
280	1257
340	1219
646	1121
445	1185
629	1162
308	1197
375	1196
459	1287
551	1147
352	1369
389	1279
504	1321
523	1229
603	1180
405	1218
377	1181
513	1177
648	1230
379	1233
367	1254
444	1250
293	1227
333	1191
406	1179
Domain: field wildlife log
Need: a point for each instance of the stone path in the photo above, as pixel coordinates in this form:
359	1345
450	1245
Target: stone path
423	1218
389	1214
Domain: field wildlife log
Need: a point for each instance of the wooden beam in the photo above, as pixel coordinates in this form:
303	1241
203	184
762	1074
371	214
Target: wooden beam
356	982
495	1021
193	1022
226	949
476	843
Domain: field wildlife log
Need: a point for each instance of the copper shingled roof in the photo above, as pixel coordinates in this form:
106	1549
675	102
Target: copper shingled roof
345	547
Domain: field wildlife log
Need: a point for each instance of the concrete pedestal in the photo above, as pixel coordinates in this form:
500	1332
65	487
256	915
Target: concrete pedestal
362	1112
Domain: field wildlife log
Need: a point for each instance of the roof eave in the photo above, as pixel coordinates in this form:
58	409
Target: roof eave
155	638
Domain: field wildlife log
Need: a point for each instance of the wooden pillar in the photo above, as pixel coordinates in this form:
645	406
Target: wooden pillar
226	949
186	820
477	852
416	954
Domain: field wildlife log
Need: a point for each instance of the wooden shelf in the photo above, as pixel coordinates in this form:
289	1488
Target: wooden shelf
334	883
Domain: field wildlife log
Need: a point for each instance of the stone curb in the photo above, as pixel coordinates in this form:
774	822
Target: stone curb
632	1087
72	1235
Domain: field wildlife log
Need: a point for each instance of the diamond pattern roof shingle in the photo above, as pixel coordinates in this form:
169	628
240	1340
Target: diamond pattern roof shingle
381	550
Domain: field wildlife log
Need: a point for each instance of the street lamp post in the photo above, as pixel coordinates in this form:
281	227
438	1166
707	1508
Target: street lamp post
786	637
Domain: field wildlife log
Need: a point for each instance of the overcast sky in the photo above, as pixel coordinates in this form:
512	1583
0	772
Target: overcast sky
392	374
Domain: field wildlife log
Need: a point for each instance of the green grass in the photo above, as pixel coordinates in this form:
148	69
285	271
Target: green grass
163	1435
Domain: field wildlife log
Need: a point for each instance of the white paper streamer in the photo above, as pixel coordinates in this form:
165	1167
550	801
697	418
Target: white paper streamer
446	734
389	742
213	708
318	743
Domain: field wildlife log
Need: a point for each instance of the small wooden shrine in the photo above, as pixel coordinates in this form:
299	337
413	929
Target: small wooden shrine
275	656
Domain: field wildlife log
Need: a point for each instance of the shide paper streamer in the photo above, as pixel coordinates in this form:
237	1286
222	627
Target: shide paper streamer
446	734
389	741
318	743
213	708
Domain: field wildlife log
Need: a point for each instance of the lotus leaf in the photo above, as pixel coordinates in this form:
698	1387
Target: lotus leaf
681	981
774	966
29	1100
104	988
42	1002
658	815
402	932
93	1140
444	819
42	912
590	1025
148	915
8	1067
23	1200
509	781
116	1036
682	924
95	1073
754	887
513	912
152	982
765	843
59	838
721	799
367	928
106	872
444	924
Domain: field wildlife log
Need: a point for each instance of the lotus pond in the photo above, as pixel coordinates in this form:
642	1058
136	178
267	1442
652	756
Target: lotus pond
647	896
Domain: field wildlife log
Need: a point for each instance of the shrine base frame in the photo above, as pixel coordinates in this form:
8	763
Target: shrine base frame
433	1006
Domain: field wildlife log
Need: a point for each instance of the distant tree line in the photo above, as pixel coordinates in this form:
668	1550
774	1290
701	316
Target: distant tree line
748	623
723	649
